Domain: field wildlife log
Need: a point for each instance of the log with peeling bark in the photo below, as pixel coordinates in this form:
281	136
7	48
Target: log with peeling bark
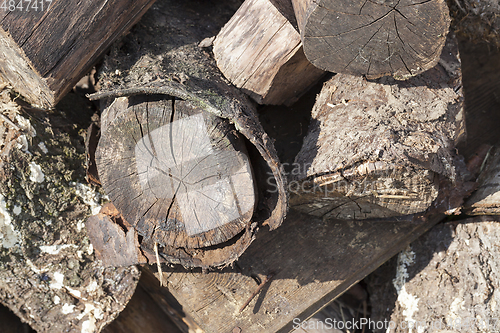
373	38
260	51
49	274
47	46
182	154
383	148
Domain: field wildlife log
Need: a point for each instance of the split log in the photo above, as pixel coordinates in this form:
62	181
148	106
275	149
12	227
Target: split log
49	275
373	38
382	148
182	154
260	51
446	281
47	46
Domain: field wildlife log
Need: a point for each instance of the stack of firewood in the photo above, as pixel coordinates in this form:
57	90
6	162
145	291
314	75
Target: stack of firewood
178	147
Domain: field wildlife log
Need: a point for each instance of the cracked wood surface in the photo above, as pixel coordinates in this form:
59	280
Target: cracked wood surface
45	52
312	261
260	51
162	55
374	38
382	148
182	176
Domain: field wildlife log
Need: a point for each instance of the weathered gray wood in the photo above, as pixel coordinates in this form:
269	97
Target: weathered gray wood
344	315
373	38
142	314
481	74
310	263
49	274
446	281
260	51
382	148
180	175
170	63
43	53
164	300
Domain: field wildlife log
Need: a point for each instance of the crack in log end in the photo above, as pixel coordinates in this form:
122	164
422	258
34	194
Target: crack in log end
194	176
397	38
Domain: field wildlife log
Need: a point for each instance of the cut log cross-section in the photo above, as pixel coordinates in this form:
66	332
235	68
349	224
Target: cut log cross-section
373	38
47	46
182	154
187	172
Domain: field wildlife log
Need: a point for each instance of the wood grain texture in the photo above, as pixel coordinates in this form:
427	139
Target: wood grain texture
381	148
260	51
311	263
486	199
373	38
167	302
161	56
180	175
454	263
58	45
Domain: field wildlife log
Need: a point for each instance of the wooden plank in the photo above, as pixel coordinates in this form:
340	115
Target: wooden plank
486	199
165	300
55	46
380	148
140	315
311	260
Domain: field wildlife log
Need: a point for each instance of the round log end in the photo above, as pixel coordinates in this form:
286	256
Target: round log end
180	175
401	38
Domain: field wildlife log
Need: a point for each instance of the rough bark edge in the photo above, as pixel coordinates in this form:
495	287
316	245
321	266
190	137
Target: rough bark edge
245	121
